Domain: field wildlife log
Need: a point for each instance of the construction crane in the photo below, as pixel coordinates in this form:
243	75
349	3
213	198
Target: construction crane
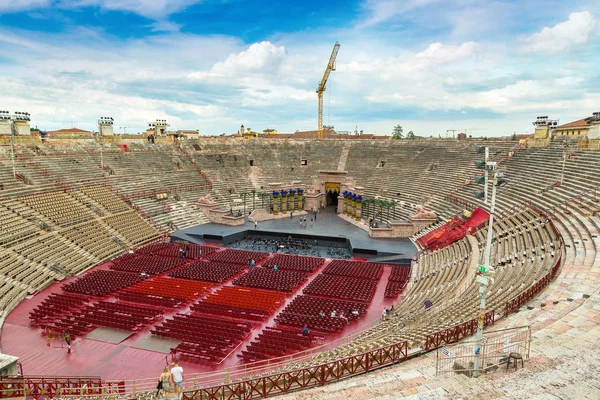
321	87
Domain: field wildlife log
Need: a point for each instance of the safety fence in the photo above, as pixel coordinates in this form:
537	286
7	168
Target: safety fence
495	350
457	332
54	387
285	382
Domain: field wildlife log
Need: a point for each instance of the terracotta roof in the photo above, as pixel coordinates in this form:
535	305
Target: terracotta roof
276	135
69	130
579	122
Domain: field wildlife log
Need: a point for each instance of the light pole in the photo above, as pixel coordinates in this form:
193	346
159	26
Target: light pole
486	269
12	146
103	123
565	149
11	119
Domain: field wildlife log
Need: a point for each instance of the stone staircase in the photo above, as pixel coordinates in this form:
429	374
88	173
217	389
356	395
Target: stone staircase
343	158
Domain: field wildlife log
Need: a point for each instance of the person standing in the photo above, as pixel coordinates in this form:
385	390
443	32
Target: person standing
165	382
311	222
177	373
255	224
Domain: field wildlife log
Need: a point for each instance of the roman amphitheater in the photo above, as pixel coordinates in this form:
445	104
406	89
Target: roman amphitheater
262	264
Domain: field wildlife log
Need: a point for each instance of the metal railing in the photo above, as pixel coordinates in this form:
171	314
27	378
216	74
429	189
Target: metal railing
497	345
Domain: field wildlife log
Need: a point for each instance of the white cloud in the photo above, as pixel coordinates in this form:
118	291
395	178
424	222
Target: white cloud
156	9
22	5
562	36
259	57
383	10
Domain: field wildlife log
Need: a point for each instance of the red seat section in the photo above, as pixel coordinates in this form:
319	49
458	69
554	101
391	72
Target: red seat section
295	262
342	287
283	281
397	281
224	310
100	283
207	271
150	264
113	315
203	338
234	256
55	306
257	299
305	310
278	342
172	287
354	269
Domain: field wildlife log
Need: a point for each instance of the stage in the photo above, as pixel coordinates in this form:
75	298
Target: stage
328	228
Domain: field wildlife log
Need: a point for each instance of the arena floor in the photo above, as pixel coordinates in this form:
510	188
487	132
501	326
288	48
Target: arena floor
123	360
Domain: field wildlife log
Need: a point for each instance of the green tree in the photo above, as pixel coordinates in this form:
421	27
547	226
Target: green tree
397	132
410	135
513	137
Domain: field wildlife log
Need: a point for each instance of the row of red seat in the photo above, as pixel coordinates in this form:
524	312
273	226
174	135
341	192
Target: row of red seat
342	287
295	262
56	305
203	338
102	282
172	287
151	299
192	251
235	256
153	248
283	281
257	299
207	271
354	269
278	342
148	263
223	310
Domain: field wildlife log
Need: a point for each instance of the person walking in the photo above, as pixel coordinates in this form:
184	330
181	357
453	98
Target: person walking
311	222
177	374
68	340
165	383
291	215
300	222
255	224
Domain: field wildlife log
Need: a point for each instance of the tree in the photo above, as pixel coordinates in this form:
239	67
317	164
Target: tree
410	135
513	137
397	132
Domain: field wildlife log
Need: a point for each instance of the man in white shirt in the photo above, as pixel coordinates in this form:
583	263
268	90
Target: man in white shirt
177	373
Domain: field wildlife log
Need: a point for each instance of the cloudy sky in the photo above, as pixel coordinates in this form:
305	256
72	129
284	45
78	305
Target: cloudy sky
430	65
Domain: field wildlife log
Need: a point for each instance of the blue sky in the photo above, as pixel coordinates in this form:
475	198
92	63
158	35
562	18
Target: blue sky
429	65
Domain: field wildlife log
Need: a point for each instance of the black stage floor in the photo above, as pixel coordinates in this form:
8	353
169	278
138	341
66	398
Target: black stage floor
327	226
